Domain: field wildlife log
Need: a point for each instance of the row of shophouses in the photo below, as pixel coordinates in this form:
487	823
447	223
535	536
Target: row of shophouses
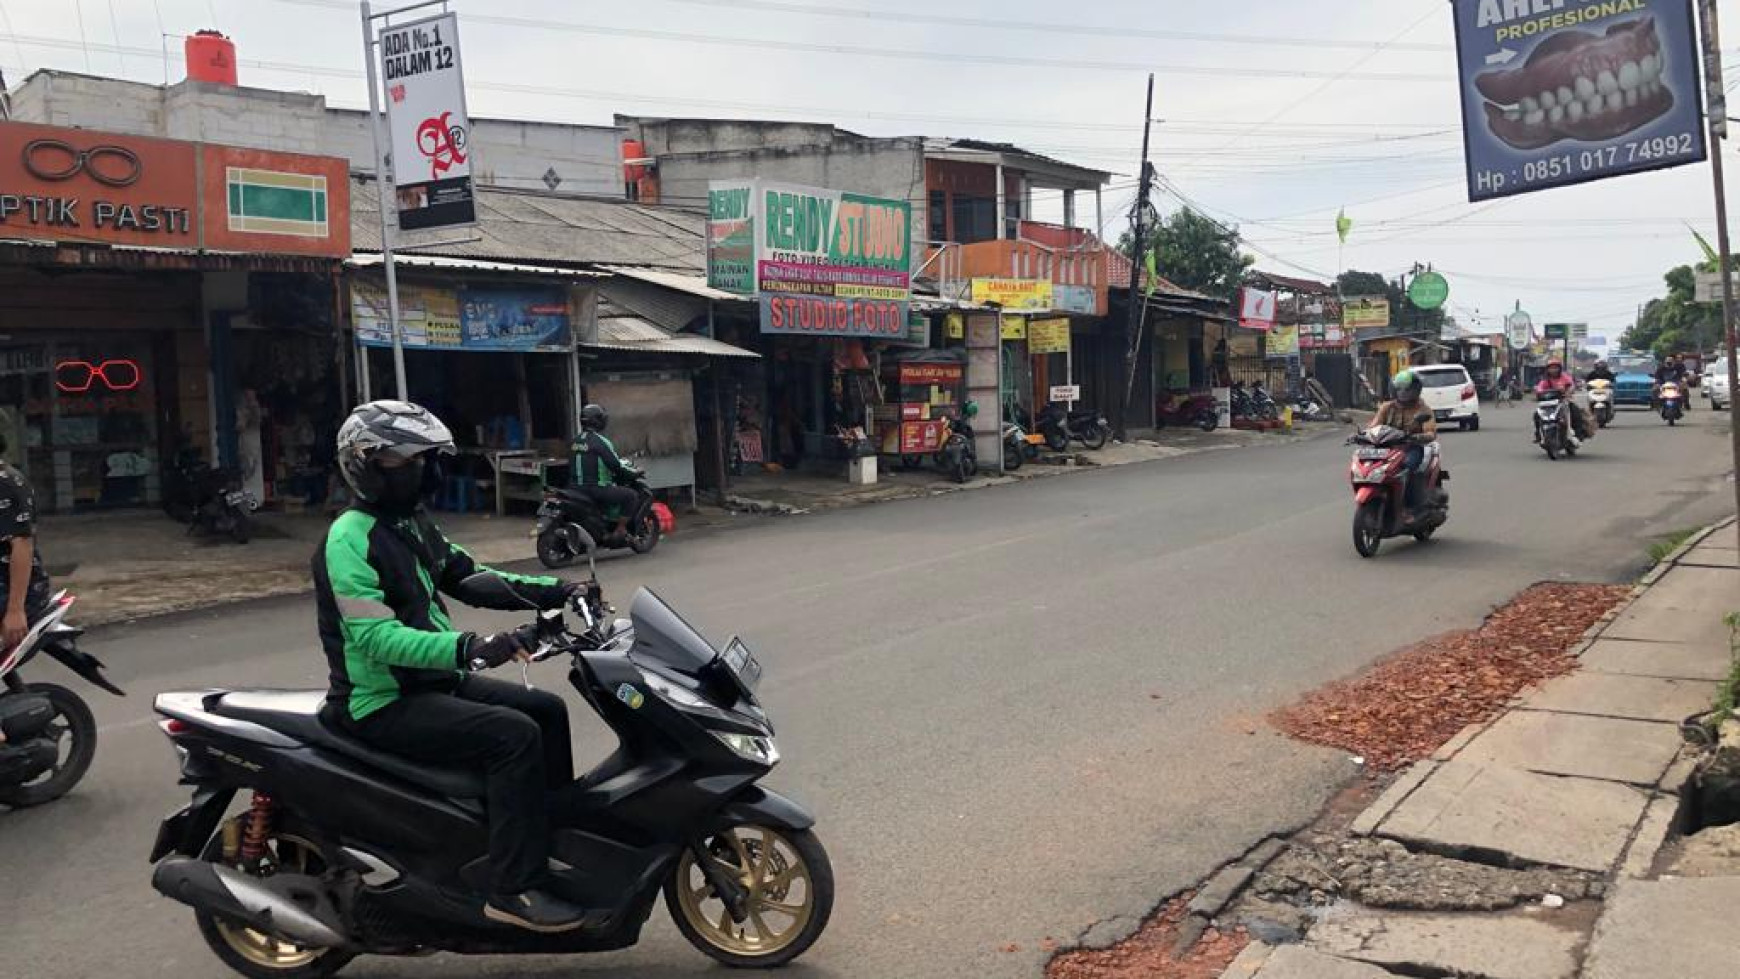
194	269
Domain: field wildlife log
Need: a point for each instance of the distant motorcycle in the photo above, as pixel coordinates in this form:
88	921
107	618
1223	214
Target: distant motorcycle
208	500
568	517
1601	402
1380	483
1672	399
1553	426
1061	426
50	734
1018	448
1197	410
959	456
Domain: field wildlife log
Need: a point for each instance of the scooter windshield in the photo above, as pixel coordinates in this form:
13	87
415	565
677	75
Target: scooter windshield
661	634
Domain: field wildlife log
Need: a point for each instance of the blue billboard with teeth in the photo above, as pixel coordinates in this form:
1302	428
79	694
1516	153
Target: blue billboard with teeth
1558	92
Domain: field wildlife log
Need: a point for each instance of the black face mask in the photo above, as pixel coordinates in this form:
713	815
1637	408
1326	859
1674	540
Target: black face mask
402	487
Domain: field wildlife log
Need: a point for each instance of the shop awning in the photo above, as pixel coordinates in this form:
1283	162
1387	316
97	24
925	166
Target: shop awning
630	333
694	285
1191	312
368	260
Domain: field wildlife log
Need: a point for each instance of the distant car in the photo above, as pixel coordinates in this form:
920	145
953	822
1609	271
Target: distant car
1451	395
1716	384
1635	379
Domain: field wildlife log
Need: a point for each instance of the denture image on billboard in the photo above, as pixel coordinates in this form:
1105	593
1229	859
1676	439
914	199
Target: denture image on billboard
1580	85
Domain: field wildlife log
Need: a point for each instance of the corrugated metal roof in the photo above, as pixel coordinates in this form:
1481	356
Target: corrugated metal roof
531	227
694	285
668	308
375	260
635	334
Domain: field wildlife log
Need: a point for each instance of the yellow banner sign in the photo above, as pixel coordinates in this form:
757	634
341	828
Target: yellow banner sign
955	326
1365	313
1048	337
1014	328
1013	293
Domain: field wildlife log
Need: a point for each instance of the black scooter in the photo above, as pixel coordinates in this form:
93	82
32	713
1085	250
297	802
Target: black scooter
51	736
568	516
959	456
1059	425
208	500
342	850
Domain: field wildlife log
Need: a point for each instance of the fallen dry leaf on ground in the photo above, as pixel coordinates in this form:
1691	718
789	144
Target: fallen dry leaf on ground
1148	953
1409	705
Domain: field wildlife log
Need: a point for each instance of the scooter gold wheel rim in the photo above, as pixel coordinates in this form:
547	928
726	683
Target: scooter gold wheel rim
781	896
291	853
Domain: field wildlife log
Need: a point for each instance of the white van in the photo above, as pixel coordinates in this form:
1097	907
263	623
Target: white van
1450	393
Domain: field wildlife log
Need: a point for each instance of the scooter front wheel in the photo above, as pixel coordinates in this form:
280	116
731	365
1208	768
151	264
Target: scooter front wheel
790	896
553	549
1368	529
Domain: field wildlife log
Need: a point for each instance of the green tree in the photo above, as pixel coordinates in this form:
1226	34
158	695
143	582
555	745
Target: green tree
1676	323
1197	252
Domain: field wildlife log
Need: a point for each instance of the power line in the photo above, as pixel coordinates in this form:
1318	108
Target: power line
907	54
881	15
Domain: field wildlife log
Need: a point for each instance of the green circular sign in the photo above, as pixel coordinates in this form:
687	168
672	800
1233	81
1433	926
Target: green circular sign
1429	290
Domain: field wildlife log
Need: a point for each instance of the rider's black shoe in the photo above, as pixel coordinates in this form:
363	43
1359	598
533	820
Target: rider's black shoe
534	910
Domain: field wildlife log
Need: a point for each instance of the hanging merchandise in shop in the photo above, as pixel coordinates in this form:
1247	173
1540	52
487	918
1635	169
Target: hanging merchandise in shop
425	86
1565	93
1021	294
482	319
1365	313
1048	337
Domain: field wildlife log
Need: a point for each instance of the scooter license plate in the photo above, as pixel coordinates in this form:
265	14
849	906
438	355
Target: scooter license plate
743	664
1374	455
235	498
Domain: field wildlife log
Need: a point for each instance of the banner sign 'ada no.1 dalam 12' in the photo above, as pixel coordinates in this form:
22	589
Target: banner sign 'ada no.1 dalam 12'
1558	92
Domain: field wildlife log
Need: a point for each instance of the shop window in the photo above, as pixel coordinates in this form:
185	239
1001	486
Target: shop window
82	420
939	216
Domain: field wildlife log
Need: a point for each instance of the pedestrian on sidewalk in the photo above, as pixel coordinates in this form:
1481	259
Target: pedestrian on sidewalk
26	582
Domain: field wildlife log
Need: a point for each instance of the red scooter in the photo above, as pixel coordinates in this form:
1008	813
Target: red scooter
1380	482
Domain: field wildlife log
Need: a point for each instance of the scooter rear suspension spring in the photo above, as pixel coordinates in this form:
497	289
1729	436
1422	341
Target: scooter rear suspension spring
256	829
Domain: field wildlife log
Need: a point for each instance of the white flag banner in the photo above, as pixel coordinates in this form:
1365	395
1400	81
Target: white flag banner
425	88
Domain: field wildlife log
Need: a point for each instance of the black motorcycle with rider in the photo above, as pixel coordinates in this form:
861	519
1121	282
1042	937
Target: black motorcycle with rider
610	503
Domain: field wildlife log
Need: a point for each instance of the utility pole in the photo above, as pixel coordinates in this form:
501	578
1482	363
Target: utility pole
1717	111
385	195
1138	232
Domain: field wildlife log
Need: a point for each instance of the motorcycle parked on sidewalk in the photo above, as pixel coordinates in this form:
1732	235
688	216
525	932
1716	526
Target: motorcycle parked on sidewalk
1601	402
1062	426
568	517
343	850
208	500
1198	410
1380	477
1018	447
959	455
1672	399
51	735
1554	427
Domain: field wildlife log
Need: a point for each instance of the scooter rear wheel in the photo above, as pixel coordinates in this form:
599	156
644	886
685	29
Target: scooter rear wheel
260	956
647	537
790	882
74	730
1095	437
553	549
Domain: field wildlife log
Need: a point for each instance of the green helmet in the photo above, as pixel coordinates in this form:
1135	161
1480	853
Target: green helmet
1407	386
970	409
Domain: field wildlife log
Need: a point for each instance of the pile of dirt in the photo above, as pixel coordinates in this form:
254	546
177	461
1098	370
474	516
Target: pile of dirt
1409	705
1148	954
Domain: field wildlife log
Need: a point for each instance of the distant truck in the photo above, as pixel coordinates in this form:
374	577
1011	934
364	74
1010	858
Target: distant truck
1634	379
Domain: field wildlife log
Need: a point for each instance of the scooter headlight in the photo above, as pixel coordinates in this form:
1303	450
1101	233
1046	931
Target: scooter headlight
762	751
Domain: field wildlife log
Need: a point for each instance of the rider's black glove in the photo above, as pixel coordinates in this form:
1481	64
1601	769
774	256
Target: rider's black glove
488	652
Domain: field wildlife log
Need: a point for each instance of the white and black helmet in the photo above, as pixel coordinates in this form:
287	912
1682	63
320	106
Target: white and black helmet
386	427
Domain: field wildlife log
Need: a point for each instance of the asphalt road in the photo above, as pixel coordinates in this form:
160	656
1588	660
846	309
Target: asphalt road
1018	712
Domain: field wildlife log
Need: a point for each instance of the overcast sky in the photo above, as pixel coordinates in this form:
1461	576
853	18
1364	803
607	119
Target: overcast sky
1276	113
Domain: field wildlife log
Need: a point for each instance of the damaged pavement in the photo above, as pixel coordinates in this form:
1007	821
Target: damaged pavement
1548	843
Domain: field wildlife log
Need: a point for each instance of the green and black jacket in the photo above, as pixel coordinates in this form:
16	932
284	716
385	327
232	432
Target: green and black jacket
377	583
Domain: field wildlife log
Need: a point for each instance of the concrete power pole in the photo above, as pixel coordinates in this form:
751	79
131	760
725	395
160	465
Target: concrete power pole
1138	231
1718	116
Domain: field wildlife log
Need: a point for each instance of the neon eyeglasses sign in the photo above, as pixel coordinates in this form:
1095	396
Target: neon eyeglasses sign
79	376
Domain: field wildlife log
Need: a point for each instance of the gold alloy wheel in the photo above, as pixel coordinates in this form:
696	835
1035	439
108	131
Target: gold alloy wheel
291	853
781	895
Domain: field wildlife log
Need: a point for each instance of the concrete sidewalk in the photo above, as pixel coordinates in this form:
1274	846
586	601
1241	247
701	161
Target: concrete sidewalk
1585	773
